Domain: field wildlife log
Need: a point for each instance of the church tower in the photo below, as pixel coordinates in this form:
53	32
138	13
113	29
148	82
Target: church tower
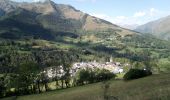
111	59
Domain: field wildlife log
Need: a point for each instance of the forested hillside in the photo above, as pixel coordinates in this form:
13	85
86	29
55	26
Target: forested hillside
36	36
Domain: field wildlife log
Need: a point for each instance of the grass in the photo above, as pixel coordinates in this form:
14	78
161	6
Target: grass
164	65
155	87
120	76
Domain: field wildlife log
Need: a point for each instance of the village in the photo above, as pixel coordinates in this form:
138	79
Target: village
113	67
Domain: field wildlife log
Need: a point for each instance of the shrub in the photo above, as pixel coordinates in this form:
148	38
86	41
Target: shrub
136	73
2	87
86	76
103	75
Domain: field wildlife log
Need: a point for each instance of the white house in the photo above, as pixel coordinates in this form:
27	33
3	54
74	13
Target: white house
58	71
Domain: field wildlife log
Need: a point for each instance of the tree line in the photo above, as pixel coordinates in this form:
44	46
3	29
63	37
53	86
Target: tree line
29	78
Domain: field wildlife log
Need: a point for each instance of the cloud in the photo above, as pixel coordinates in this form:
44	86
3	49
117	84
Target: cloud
139	14
150	12
103	16
38	0
139	17
86	0
153	11
120	20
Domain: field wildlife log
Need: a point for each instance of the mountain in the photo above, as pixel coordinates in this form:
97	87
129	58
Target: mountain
159	28
7	6
49	18
46	33
131	27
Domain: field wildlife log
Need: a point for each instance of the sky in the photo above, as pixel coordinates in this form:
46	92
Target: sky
122	12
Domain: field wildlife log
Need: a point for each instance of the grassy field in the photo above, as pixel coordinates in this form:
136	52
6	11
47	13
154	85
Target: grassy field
155	87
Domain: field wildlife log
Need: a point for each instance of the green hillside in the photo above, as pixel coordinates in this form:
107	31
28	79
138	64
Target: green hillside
40	35
159	28
155	87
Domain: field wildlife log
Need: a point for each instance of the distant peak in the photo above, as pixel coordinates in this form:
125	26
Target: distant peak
4	0
43	1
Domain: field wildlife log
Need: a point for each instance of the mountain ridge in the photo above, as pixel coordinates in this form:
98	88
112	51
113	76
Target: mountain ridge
60	17
159	28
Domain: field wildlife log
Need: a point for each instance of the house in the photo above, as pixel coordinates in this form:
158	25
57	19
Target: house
114	67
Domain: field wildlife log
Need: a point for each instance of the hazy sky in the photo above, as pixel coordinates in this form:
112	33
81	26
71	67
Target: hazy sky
121	11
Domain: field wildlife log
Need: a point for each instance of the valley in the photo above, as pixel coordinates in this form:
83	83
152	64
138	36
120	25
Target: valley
54	51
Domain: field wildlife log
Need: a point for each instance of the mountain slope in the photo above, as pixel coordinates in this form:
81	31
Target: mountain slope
158	28
55	17
28	28
155	87
7	6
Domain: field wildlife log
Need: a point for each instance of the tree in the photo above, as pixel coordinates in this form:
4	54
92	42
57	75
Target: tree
44	80
136	73
138	65
27	73
10	82
2	87
104	75
84	76
88	75
65	74
56	70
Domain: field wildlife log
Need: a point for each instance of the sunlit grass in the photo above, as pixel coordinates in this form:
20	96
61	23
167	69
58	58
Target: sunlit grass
155	87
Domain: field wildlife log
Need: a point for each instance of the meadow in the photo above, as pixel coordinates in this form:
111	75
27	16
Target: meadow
155	87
